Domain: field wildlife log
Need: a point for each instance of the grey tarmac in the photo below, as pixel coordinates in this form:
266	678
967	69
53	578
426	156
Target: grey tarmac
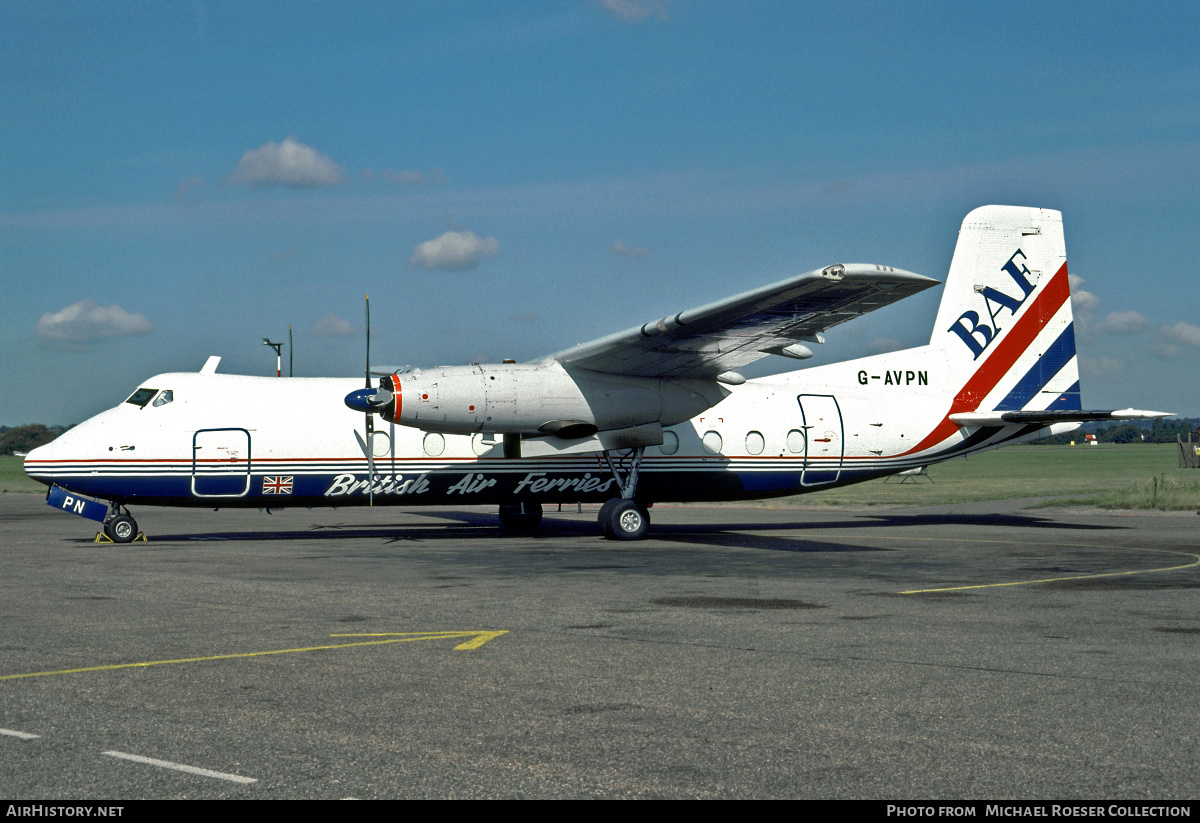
738	652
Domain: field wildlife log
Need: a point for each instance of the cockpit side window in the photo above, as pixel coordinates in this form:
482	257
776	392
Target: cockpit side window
164	397
141	397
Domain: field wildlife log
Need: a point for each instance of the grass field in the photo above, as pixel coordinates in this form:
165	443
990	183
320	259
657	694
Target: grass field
13	477
1139	476
1107	475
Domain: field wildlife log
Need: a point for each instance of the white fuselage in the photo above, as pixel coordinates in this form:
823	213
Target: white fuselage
229	440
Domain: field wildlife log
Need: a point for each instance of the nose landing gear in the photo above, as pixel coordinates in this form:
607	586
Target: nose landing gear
120	527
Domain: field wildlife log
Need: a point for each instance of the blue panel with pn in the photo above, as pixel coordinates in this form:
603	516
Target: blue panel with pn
67	501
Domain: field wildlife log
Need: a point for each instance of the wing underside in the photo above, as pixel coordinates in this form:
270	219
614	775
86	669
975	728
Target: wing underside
714	339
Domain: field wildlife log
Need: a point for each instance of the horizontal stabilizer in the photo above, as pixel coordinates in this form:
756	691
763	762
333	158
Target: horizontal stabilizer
1049	416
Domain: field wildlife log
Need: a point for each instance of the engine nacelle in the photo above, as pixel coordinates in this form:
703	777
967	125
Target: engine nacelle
540	399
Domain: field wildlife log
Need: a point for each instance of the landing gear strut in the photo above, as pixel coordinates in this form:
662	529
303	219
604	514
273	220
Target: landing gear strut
624	518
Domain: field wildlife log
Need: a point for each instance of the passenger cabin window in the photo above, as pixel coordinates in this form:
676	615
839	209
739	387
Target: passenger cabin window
141	397
164	397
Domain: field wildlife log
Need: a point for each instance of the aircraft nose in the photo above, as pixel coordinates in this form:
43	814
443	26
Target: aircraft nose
37	464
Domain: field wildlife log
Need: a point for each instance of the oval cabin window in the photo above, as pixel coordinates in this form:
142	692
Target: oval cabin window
712	442
755	443
670	443
435	444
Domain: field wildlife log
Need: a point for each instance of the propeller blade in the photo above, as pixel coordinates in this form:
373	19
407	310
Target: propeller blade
366	449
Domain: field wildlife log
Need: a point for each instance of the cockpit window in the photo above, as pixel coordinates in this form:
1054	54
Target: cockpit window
164	397
141	397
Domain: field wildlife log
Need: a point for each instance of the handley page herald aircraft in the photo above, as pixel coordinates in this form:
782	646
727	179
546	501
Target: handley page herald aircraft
655	413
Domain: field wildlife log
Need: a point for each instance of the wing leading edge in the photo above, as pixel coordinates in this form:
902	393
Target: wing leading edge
710	340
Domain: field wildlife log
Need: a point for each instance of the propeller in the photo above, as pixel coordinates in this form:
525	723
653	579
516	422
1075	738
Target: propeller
369	401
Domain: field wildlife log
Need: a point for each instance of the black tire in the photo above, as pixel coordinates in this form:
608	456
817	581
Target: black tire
626	520
604	518
121	528
521	518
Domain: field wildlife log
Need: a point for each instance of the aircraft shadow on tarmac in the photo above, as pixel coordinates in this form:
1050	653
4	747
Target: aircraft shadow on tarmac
730	533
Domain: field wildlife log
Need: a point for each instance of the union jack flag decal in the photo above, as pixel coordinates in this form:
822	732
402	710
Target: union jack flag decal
277	485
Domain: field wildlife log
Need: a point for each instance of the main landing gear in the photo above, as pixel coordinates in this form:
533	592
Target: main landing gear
624	518
621	518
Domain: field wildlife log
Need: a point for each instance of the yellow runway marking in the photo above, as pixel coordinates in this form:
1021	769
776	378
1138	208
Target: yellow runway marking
1195	561
476	640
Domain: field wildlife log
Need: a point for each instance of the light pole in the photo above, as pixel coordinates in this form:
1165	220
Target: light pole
278	347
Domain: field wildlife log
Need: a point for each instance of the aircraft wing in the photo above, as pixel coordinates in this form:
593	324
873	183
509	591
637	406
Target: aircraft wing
1050	416
713	339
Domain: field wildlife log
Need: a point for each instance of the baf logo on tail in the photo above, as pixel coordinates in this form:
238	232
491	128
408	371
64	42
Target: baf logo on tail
978	336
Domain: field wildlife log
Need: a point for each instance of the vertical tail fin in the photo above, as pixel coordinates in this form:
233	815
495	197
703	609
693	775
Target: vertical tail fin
1004	323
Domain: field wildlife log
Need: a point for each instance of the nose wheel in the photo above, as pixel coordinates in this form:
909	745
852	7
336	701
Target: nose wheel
120	528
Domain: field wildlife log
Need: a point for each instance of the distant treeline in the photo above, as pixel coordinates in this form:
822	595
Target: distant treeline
1142	431
24	438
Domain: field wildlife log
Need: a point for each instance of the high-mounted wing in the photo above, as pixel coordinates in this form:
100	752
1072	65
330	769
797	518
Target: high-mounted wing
713	339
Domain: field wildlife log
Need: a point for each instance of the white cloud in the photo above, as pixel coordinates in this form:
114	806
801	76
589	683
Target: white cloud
1122	322
1184	333
1084	302
454	251
332	325
88	322
290	163
1101	367
621	250
1086	306
635	11
881	345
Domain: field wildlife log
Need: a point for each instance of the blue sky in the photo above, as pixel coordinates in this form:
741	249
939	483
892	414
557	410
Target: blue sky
509	179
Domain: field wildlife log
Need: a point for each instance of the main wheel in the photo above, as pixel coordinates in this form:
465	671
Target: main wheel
604	518
121	528
521	518
622	519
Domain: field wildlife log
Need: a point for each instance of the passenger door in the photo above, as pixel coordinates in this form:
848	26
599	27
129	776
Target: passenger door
825	439
221	463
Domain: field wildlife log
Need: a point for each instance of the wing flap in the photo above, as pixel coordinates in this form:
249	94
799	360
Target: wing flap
718	337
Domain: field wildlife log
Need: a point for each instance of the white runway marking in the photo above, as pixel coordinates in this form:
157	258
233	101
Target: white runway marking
22	735
166	764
